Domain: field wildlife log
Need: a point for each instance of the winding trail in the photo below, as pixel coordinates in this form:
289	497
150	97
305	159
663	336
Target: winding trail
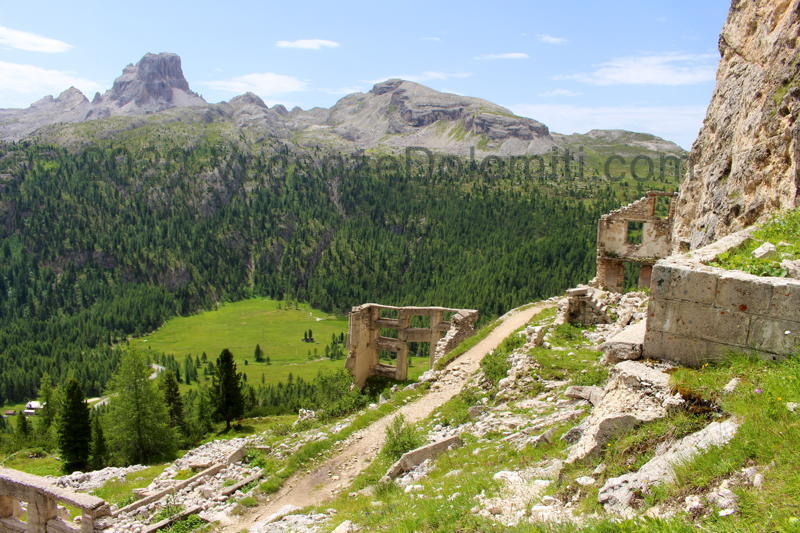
358	451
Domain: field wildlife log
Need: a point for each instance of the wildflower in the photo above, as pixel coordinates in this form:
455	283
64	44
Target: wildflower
758	391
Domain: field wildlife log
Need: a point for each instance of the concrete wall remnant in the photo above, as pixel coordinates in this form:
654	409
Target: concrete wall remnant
42	498
633	233
699	313
365	341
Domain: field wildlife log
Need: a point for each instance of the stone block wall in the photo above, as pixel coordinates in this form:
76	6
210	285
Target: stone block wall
698	313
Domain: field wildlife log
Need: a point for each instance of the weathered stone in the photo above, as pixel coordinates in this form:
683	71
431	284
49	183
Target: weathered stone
476	410
625	345
617	493
730	386
765	251
592	395
615	247
792	268
743	164
635	393
345	527
415	457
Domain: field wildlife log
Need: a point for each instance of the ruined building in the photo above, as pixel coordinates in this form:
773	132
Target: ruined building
377	331
640	232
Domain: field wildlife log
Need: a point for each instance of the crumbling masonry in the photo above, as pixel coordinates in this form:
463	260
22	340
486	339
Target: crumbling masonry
41	504
442	327
633	233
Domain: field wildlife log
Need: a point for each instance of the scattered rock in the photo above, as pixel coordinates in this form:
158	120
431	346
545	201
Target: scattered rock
693	505
476	410
792	268
411	459
635	393
765	251
617	493
305	414
585	481
345	527
731	386
592	395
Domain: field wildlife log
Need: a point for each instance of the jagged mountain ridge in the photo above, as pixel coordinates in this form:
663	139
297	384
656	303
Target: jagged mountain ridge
392	116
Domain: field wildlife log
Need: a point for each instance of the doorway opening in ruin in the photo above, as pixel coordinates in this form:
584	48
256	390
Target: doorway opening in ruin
632	275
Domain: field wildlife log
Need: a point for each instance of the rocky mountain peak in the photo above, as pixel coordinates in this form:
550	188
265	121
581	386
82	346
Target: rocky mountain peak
248	98
387	86
153	84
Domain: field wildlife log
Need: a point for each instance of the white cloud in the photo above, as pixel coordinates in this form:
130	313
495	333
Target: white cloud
651	69
30	42
550	39
428	75
22	84
509	55
430	38
267	83
560	92
308	44
341	91
679	124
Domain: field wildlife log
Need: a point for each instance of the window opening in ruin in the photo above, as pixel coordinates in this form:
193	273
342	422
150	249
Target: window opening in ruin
634	234
389	332
387	357
662	206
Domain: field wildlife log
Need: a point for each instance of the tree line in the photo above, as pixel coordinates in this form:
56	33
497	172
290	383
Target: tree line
94	249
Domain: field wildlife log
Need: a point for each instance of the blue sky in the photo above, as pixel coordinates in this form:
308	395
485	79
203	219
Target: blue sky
574	65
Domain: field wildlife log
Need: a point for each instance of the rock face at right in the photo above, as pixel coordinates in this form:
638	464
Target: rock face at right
745	164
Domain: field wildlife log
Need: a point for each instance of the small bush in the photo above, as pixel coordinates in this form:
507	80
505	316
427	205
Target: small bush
248	501
401	438
186	525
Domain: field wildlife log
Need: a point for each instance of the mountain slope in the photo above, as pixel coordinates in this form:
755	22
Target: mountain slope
392	116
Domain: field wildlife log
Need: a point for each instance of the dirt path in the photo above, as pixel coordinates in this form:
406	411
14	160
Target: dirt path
358	451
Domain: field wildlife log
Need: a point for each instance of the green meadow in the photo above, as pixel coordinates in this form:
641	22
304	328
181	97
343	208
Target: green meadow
276	326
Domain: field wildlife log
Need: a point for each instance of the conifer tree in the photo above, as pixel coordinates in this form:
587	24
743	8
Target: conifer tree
46	399
74	428
99	456
258	354
172	397
227	389
23	429
138	422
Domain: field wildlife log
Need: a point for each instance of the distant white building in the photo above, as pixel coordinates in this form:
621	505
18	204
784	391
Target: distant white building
34	405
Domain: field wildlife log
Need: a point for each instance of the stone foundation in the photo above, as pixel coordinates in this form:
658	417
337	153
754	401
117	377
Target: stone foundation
699	313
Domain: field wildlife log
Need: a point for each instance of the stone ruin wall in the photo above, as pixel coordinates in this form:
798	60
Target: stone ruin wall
42	499
614	247
698	313
365	342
